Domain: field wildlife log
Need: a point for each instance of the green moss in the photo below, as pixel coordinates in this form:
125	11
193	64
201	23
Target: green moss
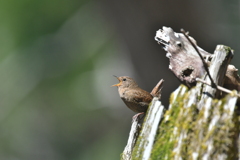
165	139
181	119
212	125
228	49
164	144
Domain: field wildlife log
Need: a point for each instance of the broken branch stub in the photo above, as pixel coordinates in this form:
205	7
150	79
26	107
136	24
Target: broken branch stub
217	68
232	79
184	60
156	91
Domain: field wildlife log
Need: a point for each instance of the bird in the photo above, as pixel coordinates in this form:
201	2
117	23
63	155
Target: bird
133	96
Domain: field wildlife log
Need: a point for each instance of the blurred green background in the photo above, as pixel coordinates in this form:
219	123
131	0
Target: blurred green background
57	59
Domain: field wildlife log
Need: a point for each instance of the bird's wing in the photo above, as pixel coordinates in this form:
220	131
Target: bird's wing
142	96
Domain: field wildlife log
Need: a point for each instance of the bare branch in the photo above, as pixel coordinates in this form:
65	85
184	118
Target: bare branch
204	63
218	87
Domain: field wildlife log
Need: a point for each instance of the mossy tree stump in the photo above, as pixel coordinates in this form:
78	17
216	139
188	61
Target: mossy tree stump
199	124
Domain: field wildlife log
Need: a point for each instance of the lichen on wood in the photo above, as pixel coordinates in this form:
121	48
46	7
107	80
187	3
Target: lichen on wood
189	133
133	135
165	140
147	135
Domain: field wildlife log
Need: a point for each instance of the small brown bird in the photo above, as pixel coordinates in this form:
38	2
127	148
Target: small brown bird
134	97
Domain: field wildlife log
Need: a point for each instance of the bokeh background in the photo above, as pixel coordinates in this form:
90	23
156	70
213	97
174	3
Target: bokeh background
57	58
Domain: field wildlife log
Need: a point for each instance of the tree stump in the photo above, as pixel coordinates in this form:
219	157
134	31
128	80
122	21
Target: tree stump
200	123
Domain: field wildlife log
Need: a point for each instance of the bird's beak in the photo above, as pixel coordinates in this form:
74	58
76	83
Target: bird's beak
120	82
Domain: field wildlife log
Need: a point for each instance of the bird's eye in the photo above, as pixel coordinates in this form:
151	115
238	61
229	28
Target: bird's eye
124	79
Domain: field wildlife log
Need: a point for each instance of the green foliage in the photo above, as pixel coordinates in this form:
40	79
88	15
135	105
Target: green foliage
50	107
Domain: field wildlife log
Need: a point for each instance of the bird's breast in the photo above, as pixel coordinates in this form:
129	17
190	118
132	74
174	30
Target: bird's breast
122	92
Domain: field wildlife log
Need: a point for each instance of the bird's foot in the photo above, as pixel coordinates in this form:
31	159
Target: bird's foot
137	116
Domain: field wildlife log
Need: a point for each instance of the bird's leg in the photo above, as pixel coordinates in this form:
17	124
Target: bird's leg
137	116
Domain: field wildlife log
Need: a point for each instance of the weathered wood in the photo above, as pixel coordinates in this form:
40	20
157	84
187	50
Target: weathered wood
156	92
183	58
185	62
142	150
133	135
199	126
217	68
189	133
232	79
